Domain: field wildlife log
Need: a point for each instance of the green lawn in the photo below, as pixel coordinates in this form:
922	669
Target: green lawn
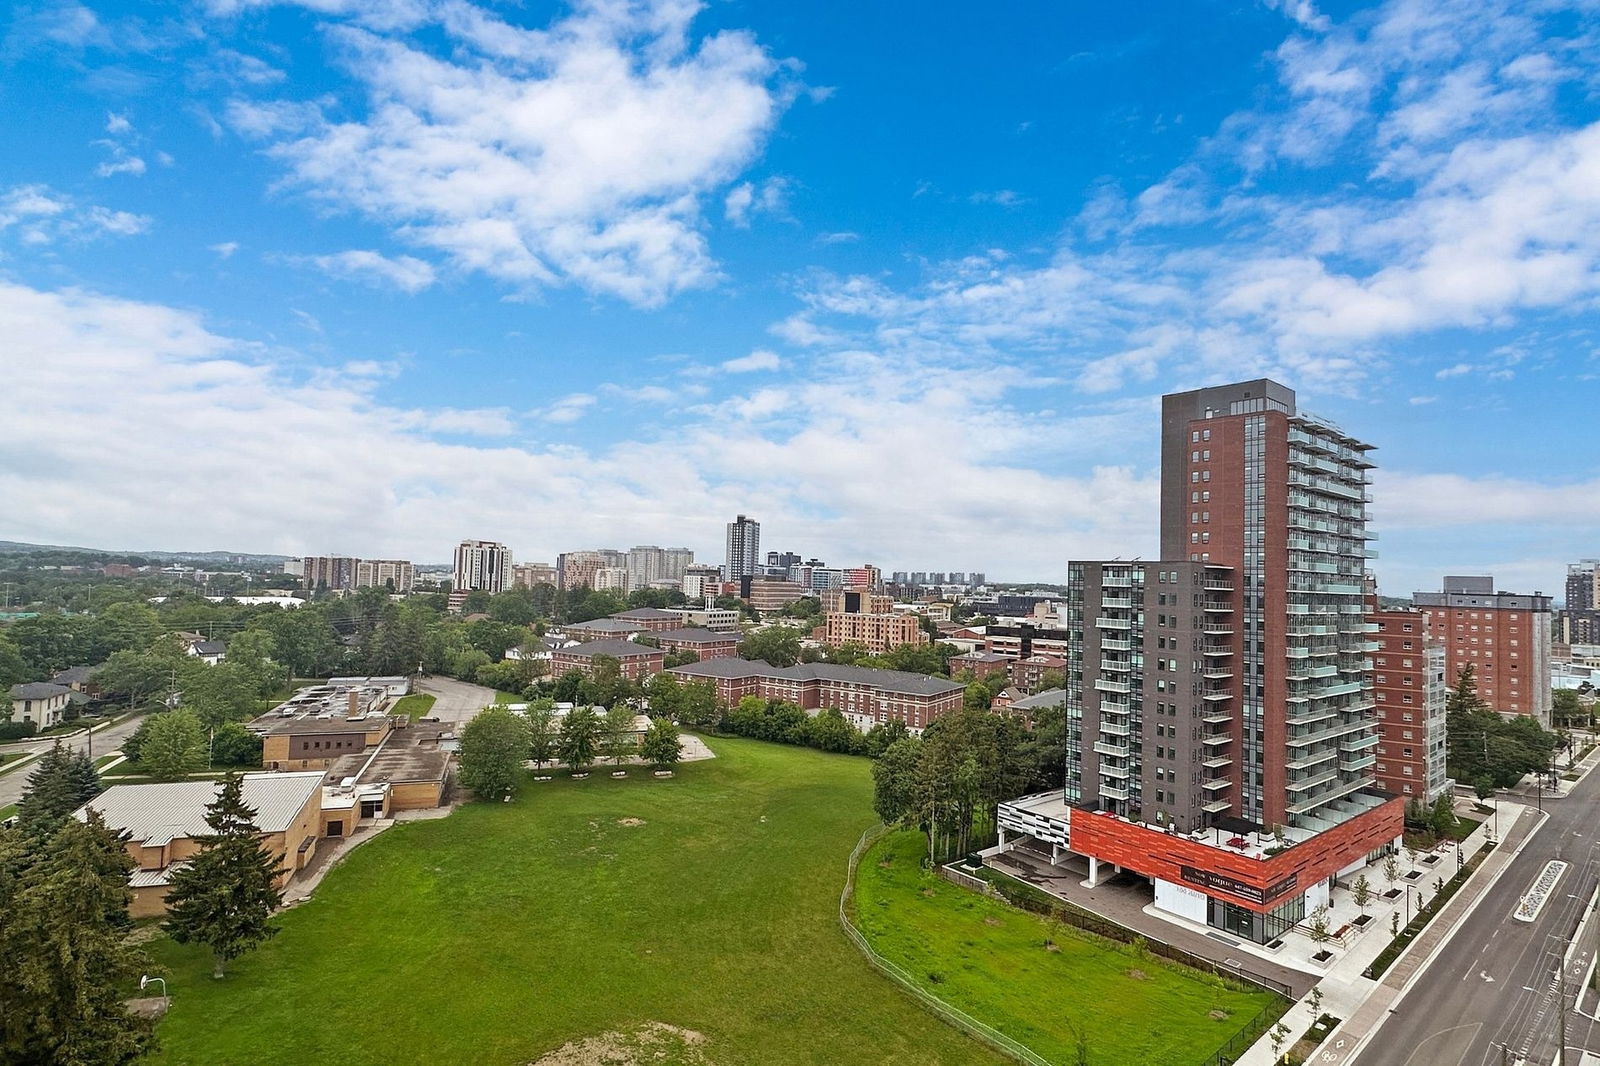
415	705
506	930
989	959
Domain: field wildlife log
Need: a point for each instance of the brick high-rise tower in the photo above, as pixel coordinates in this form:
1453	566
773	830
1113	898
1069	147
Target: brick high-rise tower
1218	699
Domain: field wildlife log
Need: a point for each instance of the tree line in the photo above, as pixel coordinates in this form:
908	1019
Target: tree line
1487	750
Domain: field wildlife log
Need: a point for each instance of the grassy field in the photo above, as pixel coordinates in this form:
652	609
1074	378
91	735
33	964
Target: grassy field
507	930
990	960
415	705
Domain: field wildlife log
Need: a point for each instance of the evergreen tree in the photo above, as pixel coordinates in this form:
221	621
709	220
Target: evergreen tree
61	783
64	951
225	896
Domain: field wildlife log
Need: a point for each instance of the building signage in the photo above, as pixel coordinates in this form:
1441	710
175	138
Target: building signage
1234	887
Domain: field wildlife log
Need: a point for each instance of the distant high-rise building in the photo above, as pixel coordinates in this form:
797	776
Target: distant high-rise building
576	569
527	575
482	566
614	578
977	578
649	565
744	549
1579	621
294	567
396	575
329	571
701	580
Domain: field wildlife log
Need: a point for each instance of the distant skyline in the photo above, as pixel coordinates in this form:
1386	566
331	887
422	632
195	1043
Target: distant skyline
902	282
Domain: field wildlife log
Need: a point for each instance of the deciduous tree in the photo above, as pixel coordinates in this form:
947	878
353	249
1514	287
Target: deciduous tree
493	748
173	746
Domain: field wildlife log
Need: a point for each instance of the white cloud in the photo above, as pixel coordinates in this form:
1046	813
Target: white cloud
568	408
1422	401
116	123
841	237
579	153
39	215
402	272
1302	12
747	199
121	162
103	392
224	250
999	197
760	359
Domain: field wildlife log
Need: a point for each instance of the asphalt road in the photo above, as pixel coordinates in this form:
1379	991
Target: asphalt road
455	701
104	742
1490	996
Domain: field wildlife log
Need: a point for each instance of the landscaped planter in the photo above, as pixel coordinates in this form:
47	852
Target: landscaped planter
1361	920
579	777
619	773
663	773
1321	956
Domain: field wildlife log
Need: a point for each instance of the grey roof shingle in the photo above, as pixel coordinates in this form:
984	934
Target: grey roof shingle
615	648
605	625
74	675
695	636
888	680
173	809
1050	697
38	690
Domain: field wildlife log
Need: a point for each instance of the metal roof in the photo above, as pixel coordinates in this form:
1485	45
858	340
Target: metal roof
169	810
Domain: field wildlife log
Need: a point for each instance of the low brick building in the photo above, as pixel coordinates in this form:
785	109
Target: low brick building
866	697
636	660
981	663
650	619
1029	673
703	642
162	821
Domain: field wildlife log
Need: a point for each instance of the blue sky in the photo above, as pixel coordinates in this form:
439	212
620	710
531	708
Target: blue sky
903	281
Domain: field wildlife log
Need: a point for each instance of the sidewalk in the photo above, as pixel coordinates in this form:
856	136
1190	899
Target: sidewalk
1363	1004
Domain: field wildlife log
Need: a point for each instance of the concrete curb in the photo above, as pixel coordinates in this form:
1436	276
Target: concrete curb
1400	994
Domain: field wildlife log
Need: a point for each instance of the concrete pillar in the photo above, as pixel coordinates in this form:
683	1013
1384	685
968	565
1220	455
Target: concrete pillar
1094	871
1055	854
1002	838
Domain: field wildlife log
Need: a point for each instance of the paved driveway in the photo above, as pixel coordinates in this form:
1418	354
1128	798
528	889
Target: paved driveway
103	742
455	701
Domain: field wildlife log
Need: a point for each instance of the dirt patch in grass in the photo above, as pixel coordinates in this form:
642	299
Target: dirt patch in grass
1219	1015
652	1044
630	822
991	922
1138	974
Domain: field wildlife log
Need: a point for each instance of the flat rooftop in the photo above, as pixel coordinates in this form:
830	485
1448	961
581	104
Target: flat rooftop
391	765
274	724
